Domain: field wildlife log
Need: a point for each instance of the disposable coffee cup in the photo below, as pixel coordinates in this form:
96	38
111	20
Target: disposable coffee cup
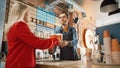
59	36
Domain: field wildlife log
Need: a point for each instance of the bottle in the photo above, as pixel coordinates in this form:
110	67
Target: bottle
56	55
38	56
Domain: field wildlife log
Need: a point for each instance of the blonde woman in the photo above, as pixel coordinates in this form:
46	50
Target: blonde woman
21	41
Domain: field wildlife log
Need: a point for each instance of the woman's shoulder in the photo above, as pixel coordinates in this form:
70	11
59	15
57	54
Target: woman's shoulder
20	23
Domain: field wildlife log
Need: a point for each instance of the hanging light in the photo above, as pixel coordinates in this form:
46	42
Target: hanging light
108	6
114	12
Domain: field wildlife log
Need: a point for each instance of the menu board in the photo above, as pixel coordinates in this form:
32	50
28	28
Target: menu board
41	14
50	17
45	27
44	15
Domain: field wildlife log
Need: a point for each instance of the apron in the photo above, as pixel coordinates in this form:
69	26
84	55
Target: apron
68	52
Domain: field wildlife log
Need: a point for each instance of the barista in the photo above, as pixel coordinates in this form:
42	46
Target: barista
69	44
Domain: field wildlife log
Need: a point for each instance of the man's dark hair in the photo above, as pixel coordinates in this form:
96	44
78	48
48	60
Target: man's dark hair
65	13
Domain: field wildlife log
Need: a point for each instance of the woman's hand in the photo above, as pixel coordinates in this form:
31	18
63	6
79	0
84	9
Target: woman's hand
55	42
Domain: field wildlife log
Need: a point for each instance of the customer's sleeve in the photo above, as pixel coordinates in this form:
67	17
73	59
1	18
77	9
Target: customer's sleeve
25	35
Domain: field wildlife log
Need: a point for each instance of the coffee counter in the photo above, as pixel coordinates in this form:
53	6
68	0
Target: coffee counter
59	64
72	64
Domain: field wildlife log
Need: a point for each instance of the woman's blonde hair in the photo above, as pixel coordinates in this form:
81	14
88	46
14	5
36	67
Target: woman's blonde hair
17	13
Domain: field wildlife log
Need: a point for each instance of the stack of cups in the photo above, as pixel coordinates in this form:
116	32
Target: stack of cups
115	51
107	46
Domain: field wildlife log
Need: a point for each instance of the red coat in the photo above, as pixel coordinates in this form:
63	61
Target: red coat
21	46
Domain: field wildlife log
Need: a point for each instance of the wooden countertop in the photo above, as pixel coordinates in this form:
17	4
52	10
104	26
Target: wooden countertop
59	64
72	64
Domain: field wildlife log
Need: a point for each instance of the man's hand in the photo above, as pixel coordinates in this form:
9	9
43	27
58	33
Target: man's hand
65	43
